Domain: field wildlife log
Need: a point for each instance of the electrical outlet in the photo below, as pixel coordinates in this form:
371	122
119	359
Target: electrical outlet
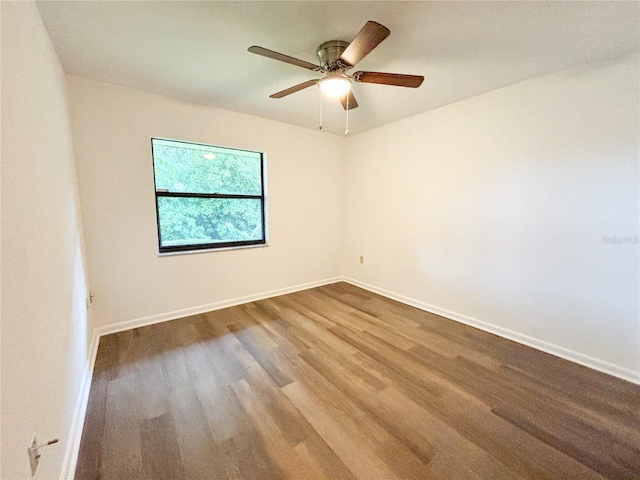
361	259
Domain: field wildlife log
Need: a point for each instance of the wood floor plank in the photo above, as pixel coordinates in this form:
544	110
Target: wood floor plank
315	451
277	447
224	415
337	382
194	438
394	453
342	433
308	330
121	453
253	460
389	417
574	438
613	426
498	437
89	457
402	363
293	425
159	447
444	442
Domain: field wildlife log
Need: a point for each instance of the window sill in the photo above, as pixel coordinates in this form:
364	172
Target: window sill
208	250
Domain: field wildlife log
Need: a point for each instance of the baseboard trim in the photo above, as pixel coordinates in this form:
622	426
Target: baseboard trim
165	317
77	423
575	357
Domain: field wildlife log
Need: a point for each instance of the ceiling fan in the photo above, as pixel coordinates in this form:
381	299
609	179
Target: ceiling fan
336	58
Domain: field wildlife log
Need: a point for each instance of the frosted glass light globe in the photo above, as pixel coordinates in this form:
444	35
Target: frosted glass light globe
335	87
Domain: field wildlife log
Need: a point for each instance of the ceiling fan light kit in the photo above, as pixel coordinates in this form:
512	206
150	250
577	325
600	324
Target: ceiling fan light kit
336	58
335	86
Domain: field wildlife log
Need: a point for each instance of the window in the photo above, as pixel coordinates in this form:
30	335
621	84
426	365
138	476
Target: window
207	197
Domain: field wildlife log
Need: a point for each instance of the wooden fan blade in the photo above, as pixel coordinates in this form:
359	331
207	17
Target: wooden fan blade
294	89
371	35
282	57
412	81
353	103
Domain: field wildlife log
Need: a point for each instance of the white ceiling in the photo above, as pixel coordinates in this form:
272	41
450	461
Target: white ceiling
197	51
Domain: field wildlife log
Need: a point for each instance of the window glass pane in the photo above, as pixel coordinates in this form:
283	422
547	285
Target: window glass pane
193	221
193	168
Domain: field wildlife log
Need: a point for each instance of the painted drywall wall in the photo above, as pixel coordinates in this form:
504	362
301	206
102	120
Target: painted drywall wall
518	208
44	316
112	128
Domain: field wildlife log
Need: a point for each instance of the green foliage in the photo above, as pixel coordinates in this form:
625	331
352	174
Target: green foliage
207	220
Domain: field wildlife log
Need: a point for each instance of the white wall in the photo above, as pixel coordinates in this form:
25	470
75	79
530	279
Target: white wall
44	317
112	128
494	210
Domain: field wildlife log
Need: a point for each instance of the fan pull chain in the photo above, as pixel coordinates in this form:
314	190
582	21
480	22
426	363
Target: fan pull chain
320	108
346	127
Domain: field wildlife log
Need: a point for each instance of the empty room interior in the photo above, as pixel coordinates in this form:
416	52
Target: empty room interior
320	240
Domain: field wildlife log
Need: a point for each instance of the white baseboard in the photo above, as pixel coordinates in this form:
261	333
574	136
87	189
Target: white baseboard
164	317
75	432
558	351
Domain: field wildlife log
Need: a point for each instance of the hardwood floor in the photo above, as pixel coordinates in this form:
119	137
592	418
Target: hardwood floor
339	383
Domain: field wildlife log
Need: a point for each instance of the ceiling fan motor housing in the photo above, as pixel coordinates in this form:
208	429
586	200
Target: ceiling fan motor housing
329	54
